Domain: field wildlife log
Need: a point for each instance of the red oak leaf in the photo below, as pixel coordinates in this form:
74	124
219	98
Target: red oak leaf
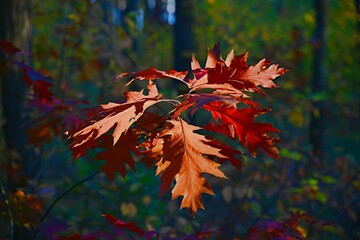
184	160
120	115
151	151
124	225
149	122
229	152
227	79
240	123
234	71
79	149
152	74
117	155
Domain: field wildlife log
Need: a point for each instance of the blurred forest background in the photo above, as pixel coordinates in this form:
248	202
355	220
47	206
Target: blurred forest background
81	45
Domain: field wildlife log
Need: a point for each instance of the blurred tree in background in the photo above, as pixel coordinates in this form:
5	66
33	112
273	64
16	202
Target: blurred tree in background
82	45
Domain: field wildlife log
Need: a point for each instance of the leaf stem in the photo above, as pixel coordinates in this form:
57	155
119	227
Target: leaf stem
169	100
61	196
11	219
93	187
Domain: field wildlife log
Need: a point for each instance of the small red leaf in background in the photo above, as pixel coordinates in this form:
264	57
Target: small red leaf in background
289	229
8	47
40	83
52	118
270	230
124	225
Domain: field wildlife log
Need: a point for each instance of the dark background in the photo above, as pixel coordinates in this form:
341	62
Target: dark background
82	45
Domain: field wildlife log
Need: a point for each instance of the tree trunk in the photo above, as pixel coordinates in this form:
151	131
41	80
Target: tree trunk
183	34
318	79
15	27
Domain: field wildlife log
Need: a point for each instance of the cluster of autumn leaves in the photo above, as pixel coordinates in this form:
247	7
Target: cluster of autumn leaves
131	130
167	141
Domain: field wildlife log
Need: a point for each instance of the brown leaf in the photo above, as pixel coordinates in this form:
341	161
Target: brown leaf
151	151
153	73
116	156
184	159
120	115
233	71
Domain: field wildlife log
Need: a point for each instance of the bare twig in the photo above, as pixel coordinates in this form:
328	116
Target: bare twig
61	196
93	187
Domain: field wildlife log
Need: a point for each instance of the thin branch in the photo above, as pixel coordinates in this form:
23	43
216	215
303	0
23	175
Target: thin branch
161	124
169	101
93	187
66	192
11	219
63	195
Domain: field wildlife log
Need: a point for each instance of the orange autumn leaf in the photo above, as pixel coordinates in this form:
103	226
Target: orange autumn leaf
185	161
118	115
151	151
